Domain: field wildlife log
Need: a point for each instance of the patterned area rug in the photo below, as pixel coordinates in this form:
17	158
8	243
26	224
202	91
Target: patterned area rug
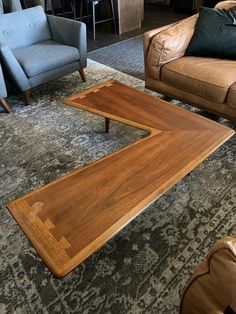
144	268
125	56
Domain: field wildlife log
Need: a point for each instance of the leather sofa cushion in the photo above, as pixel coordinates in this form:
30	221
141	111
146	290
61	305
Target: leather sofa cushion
206	77
40	58
231	99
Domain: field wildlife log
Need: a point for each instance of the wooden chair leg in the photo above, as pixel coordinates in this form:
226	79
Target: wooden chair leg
82	74
113	15
5	105
107	124
26	97
94	20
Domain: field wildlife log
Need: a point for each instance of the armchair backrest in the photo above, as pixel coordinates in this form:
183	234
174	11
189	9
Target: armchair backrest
24	28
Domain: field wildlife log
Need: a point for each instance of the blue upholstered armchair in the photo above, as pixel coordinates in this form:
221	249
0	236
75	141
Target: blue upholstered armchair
3	92
36	48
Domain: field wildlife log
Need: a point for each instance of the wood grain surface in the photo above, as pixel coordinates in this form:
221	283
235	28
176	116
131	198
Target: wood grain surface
69	219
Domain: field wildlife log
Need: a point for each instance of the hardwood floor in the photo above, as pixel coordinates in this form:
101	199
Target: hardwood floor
154	16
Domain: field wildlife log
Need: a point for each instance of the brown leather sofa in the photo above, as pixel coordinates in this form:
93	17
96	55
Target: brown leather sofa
212	287
206	83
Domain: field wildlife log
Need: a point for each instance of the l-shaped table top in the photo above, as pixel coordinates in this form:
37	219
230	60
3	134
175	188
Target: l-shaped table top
72	217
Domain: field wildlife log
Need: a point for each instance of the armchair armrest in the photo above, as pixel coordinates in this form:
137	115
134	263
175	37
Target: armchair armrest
71	33
13	67
167	44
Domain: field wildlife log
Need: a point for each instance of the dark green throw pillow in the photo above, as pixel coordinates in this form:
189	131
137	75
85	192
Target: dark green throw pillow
215	34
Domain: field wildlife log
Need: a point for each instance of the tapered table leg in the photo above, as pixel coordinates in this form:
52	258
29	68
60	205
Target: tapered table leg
107	124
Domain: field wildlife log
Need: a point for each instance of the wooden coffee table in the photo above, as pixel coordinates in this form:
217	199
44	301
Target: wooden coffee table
72	217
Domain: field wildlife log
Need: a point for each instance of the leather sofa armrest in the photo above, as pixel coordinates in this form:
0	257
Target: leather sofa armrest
212	287
148	37
225	5
168	45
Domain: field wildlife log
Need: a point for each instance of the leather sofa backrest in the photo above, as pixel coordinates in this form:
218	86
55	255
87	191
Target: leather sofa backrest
24	28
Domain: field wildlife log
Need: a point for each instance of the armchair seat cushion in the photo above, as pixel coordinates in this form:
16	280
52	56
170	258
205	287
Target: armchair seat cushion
45	56
201	76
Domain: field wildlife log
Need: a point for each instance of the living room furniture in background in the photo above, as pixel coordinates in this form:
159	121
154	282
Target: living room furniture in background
126	15
43	48
62	8
3	92
46	4
95	21
7	6
129	14
212	287
207	83
69	219
190	5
